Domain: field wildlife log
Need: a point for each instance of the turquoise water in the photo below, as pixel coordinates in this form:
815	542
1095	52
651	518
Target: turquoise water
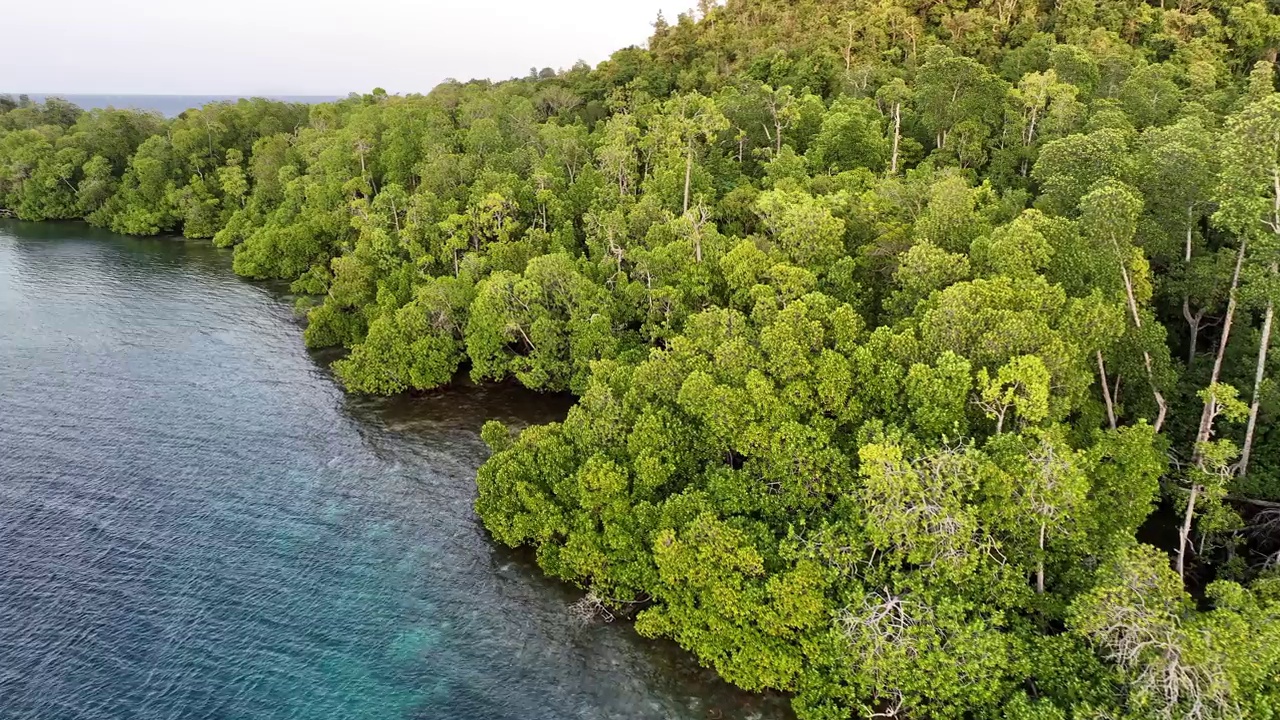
195	522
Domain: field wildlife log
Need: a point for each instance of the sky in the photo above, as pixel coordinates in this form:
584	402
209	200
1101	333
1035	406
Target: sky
302	47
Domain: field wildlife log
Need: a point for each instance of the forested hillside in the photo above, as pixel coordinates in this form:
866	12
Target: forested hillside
922	349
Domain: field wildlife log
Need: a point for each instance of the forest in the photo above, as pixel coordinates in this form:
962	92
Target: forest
922	350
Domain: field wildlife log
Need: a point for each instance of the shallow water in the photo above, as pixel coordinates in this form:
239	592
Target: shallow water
195	522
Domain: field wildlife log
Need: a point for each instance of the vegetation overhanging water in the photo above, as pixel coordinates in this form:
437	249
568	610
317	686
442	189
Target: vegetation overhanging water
197	522
890	324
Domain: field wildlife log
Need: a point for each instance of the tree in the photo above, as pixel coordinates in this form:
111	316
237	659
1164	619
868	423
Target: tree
1109	215
802	227
1068	168
1135	617
895	94
1213	461
1055	492
1250	206
1177	168
851	137
1020	386
231	178
418	346
687	120
922	270
952	90
545	327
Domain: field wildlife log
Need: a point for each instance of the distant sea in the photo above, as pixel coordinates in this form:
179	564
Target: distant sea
167	105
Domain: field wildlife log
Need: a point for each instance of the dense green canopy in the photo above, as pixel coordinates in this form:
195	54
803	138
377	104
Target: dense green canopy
922	349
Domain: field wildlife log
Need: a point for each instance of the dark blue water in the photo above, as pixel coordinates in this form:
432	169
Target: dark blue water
196	523
167	105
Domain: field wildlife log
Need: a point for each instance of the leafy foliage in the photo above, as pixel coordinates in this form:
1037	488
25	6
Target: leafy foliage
890	324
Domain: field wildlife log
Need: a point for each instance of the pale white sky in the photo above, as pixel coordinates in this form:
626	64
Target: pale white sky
304	46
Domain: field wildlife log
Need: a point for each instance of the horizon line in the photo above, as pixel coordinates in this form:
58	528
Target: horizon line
175	94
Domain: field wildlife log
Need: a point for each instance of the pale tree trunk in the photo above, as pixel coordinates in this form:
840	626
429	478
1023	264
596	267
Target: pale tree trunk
1193	323
1106	392
1184	534
1265	342
524	335
1263	346
1206	416
897	134
1192	320
688	174
1146	356
1186	253
1040	565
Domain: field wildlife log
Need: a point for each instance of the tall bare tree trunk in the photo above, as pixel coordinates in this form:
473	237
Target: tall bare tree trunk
1193	323
1184	534
1258	374
1192	320
1206	416
1146	356
897	134
1186	252
1106	392
1040	565
1265	342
